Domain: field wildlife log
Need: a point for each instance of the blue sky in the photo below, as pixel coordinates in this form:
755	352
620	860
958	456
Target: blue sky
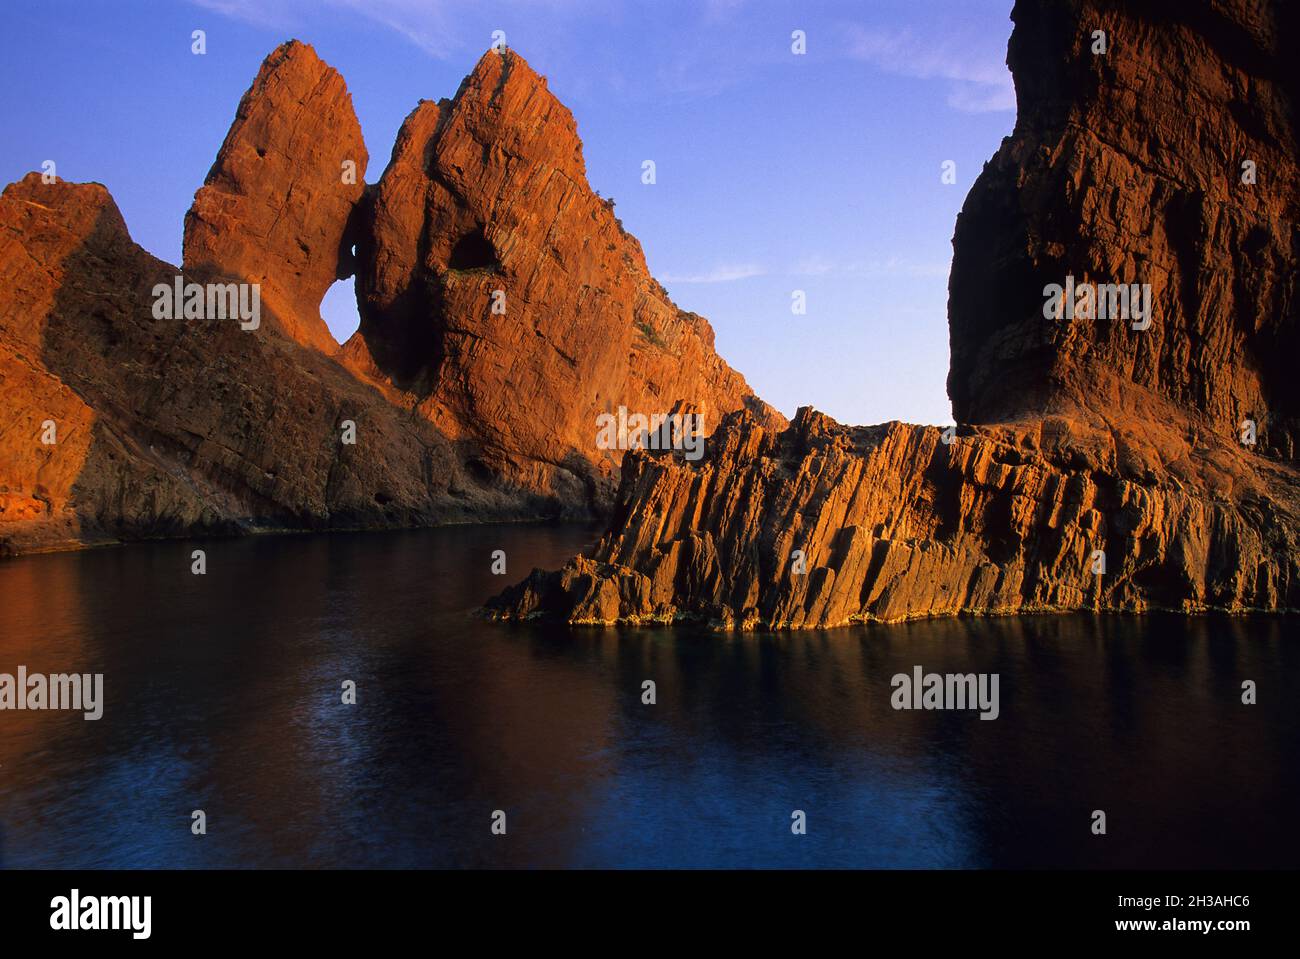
775	172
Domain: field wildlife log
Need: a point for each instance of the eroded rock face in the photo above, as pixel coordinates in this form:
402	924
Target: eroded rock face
502	293
170	427
1100	443
275	207
826	525
1127	168
35	483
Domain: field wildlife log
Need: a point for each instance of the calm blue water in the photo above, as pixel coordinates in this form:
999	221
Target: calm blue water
223	694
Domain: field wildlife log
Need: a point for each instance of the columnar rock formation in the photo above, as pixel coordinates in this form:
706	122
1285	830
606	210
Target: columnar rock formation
827	525
124	422
1112	465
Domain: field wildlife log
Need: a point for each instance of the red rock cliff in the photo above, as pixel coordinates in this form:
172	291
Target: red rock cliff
1169	160
275	207
503	296
170	426
1107	469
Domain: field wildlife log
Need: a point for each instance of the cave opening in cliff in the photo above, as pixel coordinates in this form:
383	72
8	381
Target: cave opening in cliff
473	251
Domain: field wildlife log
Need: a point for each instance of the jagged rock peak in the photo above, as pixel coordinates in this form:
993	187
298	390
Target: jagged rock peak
276	206
502	293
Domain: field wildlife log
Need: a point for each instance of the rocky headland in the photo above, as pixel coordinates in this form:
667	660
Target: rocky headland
1106	457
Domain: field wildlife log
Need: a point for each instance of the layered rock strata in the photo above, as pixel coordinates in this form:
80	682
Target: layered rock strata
826	525
1120	462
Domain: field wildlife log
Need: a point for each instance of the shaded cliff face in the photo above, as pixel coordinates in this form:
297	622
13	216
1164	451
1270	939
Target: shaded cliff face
174	426
504	296
1127	168
1108	470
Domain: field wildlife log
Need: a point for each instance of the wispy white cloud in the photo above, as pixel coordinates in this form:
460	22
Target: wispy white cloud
423	22
728	273
813	266
979	81
691	69
270	14
428	24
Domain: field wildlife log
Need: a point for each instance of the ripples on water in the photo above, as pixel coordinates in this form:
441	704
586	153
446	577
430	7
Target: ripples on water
223	694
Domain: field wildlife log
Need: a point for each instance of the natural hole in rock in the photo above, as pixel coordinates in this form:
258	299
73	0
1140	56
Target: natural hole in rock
479	471
339	309
473	252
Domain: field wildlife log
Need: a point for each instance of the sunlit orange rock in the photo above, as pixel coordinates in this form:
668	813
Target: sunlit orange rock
275	207
1102	466
501	293
168	426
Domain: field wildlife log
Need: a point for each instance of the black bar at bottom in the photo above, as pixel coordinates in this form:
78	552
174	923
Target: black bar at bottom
336	908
